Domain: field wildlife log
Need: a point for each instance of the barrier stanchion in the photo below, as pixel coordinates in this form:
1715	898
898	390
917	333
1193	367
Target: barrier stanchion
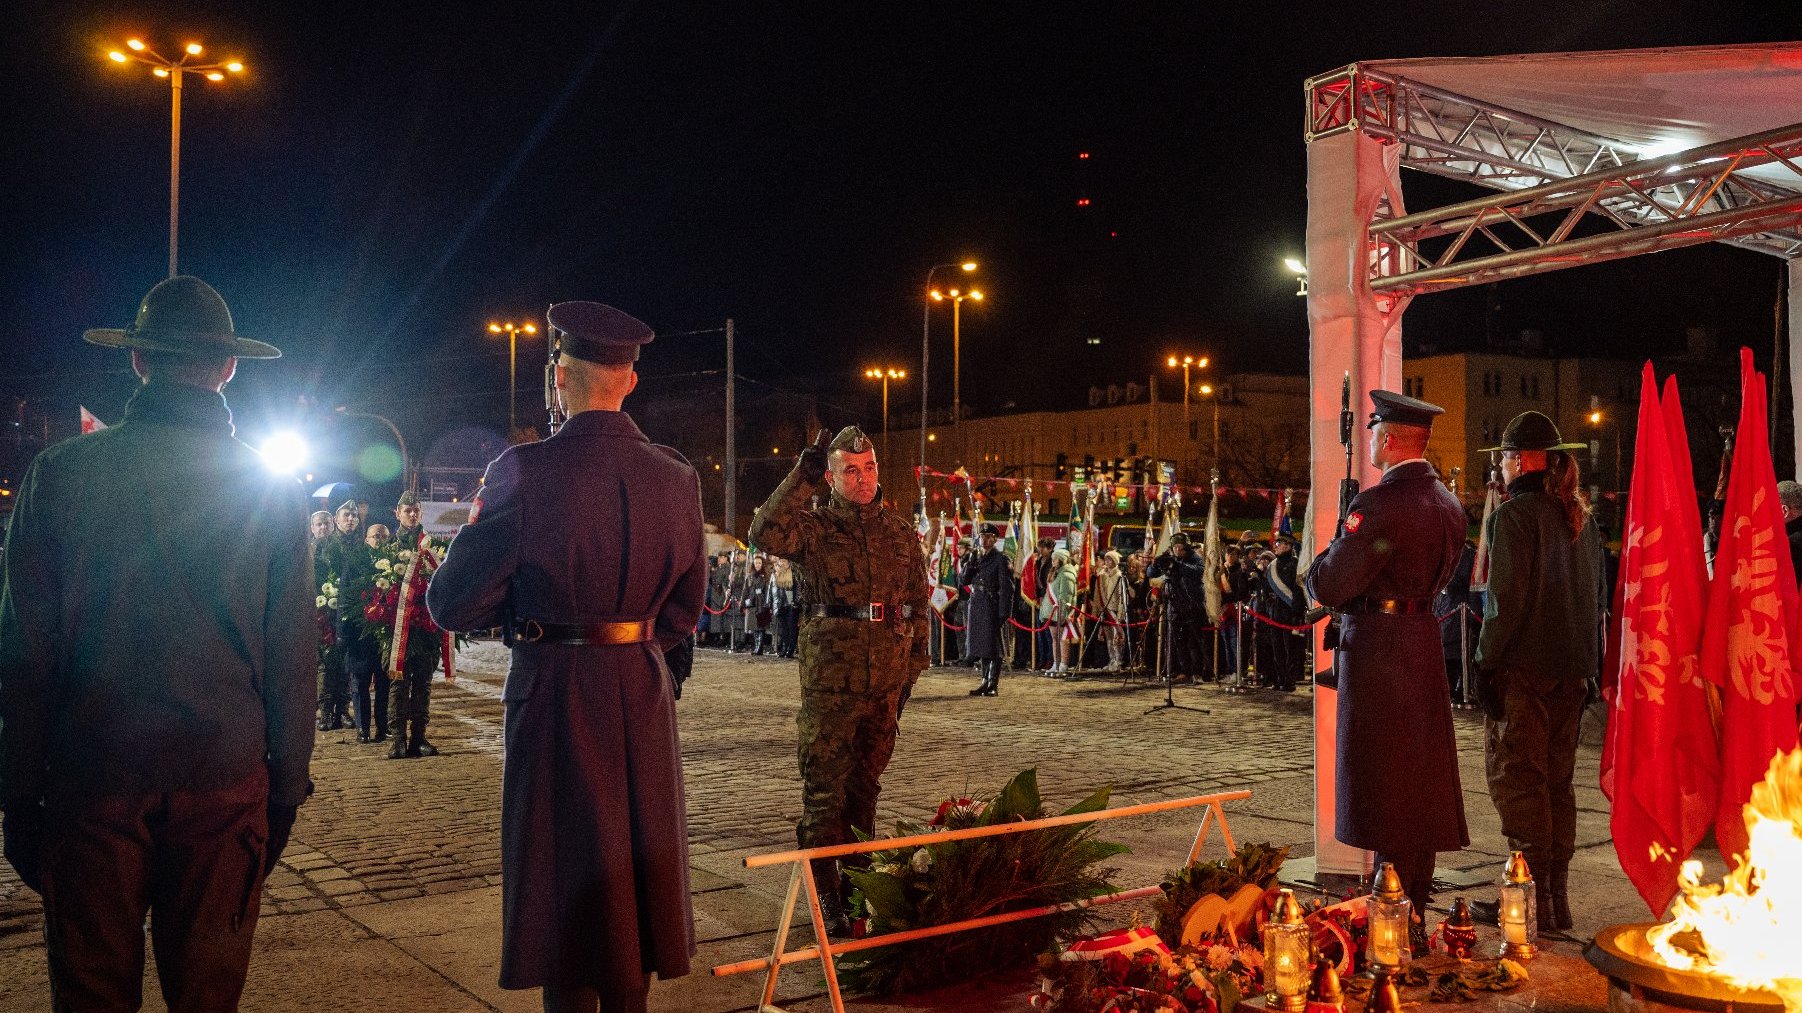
827	952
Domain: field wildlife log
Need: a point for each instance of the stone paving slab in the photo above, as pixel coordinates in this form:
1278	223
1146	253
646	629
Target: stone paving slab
390	889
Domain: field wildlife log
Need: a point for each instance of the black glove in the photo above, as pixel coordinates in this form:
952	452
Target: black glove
1488	684
281	824
812	465
23	827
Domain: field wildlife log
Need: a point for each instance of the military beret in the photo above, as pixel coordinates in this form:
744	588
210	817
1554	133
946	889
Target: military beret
408	498
1401	410
852	439
598	333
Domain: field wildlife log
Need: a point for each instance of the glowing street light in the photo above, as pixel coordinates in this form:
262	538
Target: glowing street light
957	305
925	347
1187	363
174	71
885	374
284	453
1207	391
512	331
1300	270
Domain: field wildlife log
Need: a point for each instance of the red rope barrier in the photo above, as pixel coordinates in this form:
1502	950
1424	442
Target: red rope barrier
1266	620
1111	622
946	623
1029	629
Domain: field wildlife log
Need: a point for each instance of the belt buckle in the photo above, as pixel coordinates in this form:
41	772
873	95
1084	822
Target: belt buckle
522	635
875	612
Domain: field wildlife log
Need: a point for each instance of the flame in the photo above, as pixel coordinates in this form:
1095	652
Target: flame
1748	928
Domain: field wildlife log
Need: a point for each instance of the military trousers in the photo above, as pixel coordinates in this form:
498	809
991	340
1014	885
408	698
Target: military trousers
1529	756
846	740
333	684
410	696
191	860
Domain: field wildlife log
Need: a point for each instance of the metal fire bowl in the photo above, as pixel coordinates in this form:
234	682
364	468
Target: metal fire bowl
1638	978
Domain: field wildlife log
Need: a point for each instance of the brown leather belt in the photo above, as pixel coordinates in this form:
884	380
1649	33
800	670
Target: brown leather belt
1363	606
874	612
623	631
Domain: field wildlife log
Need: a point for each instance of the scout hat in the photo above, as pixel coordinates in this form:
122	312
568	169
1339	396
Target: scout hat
1533	431
852	439
183	314
598	333
1401	410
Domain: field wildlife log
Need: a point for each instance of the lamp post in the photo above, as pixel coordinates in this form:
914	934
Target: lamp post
925	349
1208	392
512	331
885	374
1596	418
957	298
1300	270
174	71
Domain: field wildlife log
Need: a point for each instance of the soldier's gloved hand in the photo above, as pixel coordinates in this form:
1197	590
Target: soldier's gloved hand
281	825
23	827
812	464
1489	692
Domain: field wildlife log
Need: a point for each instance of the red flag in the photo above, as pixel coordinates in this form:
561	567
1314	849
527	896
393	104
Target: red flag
1660	768
90	423
1748	647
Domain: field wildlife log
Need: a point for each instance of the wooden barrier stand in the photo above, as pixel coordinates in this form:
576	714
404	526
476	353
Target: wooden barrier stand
800	878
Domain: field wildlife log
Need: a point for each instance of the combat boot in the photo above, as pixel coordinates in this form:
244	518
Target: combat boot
832	907
418	746
398	750
1542	902
1560	887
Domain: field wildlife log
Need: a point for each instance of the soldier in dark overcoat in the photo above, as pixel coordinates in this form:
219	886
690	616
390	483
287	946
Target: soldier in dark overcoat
1397	766
863	642
587	548
988	589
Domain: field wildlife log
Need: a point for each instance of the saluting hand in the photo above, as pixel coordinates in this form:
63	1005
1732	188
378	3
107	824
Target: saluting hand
813	459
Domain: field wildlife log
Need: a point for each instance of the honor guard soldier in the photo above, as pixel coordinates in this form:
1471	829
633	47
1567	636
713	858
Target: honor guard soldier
988	586
863	638
410	675
1397	765
587	548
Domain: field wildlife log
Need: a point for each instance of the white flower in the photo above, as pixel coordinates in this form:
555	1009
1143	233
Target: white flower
332	602
921	861
329	588
383	565
319	602
405	555
383	583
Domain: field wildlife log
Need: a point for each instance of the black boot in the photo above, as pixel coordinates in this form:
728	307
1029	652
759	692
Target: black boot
398	750
986	686
832	907
1560	890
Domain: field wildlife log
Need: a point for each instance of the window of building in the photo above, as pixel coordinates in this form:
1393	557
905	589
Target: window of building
1414	386
1533	385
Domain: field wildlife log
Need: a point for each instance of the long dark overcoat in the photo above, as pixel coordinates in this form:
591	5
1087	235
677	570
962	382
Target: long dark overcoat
1397	766
988	587
594	524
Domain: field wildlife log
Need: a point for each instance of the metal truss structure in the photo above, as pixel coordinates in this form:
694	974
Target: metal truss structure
1552	177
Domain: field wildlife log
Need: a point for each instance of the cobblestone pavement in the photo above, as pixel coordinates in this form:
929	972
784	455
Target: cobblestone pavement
395	866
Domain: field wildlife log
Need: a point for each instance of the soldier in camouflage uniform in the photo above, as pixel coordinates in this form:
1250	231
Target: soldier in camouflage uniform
863	640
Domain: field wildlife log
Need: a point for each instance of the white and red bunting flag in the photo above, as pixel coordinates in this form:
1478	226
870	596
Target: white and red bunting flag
1660	762
1749	639
90	423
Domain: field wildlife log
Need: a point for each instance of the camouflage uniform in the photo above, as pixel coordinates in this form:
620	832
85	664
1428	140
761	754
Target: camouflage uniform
855	673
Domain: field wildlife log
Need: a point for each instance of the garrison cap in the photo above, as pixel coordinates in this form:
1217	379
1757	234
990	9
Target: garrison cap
349	504
1401	410
408	498
596	332
852	439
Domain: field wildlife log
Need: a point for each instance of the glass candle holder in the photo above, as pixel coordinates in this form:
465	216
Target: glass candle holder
1517	912
1460	930
1287	944
1389	909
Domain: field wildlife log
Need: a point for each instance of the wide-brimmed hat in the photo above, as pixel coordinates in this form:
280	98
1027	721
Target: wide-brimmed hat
1533	431
183	314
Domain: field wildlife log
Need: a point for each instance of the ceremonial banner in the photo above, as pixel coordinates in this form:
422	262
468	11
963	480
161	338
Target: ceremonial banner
1748	643
1660	763
1211	556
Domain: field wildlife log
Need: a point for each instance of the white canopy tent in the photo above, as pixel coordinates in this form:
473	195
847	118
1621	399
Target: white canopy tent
1663	148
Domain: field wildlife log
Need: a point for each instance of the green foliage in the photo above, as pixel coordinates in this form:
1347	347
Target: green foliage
1257	864
941	883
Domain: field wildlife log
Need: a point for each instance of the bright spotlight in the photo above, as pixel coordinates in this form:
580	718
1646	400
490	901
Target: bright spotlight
285	453
1295	266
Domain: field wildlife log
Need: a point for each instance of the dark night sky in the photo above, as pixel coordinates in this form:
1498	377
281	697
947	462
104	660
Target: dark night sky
387	178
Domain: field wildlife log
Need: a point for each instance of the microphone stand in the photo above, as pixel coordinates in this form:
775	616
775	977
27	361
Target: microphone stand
1163	660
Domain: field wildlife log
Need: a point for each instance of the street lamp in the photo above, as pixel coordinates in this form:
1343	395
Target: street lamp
957	305
1187	362
925	346
1300	270
885	374
1208	392
512	331
1596	418
174	70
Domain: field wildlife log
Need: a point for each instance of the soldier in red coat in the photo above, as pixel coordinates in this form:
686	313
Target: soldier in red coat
587	548
1397	768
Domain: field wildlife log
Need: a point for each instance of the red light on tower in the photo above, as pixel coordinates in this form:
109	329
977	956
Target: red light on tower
1082	154
1082	202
